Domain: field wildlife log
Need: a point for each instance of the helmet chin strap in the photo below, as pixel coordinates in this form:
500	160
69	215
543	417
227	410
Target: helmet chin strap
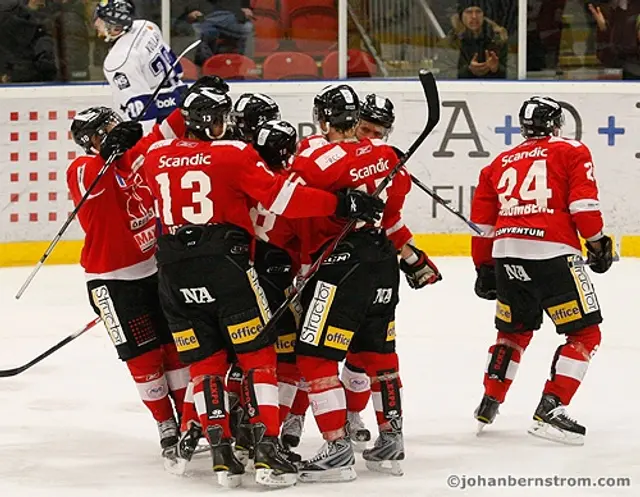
324	128
108	37
209	132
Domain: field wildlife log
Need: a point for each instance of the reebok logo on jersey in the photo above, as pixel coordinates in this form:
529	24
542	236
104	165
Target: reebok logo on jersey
167	102
121	81
536	153
245	332
370	170
338	338
198	295
585	288
193	160
102	300
317	313
565	313
185	340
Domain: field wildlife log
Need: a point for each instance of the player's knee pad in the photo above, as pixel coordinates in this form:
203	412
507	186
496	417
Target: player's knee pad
586	341
518	341
214	365
265	357
148	374
374	362
355	379
354	360
149	363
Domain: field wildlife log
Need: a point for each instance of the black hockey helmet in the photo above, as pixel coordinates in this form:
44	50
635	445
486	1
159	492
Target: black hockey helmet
275	141
377	110
91	122
337	105
116	12
250	111
212	81
540	116
202	108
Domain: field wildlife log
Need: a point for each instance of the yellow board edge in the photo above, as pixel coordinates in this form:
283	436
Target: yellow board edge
435	244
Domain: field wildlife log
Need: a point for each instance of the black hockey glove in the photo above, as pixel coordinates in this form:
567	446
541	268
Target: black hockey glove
120	139
485	287
355	204
422	272
600	259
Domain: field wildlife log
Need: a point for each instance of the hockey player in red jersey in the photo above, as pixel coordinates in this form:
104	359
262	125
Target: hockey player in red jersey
118	258
350	303
209	289
532	202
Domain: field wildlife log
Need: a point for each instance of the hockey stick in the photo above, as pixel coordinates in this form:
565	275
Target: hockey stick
97	179
444	204
433	107
5	373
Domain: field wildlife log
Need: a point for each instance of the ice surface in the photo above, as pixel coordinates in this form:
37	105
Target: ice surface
72	426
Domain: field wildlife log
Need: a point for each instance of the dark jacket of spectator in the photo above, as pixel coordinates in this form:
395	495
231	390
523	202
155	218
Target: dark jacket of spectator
72	37
618	43
209	6
492	38
27	52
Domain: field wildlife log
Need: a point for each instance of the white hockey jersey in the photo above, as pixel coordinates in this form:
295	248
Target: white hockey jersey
135	66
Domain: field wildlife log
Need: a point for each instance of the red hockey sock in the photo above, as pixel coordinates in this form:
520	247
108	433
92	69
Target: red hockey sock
189	413
326	394
503	362
571	362
386	386
177	375
301	402
148	374
356	383
260	389
288	379
209	392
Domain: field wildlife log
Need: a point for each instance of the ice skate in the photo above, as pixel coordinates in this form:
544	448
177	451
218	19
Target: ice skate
553	423
169	433
184	450
273	468
291	431
486	412
225	464
387	451
333	463
358	433
244	443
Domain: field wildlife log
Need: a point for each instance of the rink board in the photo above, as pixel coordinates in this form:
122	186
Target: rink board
479	120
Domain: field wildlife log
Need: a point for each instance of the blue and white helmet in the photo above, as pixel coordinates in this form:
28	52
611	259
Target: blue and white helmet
117	16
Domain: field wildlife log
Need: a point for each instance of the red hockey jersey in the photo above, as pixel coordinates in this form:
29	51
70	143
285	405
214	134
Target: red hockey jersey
533	200
199	182
311	141
118	220
352	164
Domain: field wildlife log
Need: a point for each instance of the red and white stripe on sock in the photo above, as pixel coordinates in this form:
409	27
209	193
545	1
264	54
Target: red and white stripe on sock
177	375
148	374
571	362
326	395
288	379
503	362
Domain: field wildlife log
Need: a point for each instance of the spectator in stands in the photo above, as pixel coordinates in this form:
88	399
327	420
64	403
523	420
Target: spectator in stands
480	42
71	32
215	19
619	35
27	53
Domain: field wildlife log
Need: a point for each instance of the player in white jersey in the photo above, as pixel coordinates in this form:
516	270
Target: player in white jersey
137	63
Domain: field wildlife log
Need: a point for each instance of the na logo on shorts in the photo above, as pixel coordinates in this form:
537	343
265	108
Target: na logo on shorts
516	272
198	295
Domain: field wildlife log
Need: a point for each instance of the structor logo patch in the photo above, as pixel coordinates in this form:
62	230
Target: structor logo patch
102	300
317	313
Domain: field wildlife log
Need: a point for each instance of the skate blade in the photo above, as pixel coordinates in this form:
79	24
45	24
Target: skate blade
480	428
335	475
177	467
202	447
247	462
386	467
228	480
273	479
548	432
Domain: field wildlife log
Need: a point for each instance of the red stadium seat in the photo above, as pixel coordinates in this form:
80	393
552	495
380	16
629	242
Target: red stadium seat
267	26
359	65
289	65
314	28
230	66
191	71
